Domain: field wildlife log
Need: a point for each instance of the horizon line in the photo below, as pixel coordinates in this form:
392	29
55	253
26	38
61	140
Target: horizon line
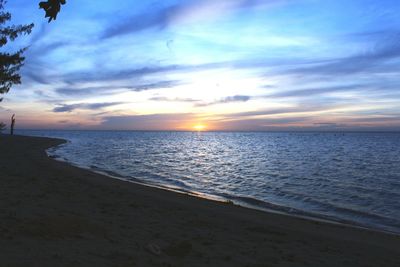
217	131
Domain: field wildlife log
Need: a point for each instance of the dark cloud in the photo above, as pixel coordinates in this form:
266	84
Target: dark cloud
176	99
309	92
160	16
115	75
104	90
229	99
86	91
33	75
156	85
235	98
88	106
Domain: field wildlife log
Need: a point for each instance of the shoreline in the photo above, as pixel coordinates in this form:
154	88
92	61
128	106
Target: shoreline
273	208
89	219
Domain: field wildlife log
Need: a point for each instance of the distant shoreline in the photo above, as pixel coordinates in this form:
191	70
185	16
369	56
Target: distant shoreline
84	216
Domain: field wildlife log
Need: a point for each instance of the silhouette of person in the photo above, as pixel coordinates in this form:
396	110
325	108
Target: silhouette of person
12	124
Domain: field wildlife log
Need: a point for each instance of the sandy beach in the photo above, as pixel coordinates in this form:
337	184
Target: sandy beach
54	214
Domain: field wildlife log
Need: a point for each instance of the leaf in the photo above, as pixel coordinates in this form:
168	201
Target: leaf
52	8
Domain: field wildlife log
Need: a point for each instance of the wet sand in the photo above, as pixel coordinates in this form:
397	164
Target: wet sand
54	214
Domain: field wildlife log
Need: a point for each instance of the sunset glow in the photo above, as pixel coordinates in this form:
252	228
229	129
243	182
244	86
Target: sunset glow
199	127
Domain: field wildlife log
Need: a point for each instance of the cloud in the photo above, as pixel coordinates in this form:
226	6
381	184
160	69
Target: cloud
309	92
172	121
36	65
105	90
38	33
394	119
85	91
88	106
161	16
229	99
263	124
371	36
33	75
176	99
235	98
156	85
376	60
329	124
134	73
113	75
273	112
139	22
307	123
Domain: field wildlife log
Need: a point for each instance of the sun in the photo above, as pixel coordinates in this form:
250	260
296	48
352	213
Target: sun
199	127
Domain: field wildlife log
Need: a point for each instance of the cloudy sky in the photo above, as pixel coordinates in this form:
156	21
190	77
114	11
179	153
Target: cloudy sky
226	64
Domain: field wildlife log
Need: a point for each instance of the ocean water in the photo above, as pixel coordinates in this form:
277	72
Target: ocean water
344	177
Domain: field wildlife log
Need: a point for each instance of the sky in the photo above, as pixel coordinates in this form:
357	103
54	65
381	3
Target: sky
234	65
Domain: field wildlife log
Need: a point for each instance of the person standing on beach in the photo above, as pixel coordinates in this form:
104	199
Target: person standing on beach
12	124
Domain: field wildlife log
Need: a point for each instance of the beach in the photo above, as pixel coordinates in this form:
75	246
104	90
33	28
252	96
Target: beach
55	214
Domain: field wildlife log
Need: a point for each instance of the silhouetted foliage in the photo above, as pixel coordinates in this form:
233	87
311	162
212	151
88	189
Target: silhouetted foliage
52	8
2	127
10	63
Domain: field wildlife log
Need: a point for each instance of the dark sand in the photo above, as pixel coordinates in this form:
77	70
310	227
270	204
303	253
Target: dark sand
53	214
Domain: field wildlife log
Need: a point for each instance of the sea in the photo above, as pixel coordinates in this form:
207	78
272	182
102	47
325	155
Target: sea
351	178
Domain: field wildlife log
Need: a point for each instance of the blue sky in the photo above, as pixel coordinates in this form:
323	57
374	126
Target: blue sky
227	65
